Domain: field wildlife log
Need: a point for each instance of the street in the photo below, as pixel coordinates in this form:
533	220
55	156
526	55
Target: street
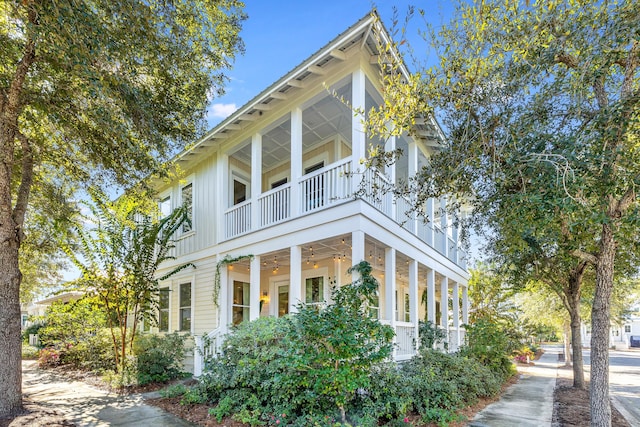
624	381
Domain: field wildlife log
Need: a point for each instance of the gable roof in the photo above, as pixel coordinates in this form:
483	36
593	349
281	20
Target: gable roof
359	34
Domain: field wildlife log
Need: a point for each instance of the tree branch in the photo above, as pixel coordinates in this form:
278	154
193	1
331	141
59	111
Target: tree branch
630	69
26	180
585	256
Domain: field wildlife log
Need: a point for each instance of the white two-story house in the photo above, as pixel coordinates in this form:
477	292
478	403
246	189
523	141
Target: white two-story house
276	180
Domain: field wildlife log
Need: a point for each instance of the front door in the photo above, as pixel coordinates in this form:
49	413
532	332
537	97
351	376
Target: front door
282	293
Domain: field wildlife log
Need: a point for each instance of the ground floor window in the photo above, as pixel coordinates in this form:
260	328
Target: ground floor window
314	290
240	306
185	307
283	300
163	310
627	329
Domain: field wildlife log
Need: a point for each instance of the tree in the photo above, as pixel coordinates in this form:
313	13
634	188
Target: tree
96	91
521	84
118	256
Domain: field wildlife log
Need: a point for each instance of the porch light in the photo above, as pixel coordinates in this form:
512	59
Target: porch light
315	265
230	266
265	298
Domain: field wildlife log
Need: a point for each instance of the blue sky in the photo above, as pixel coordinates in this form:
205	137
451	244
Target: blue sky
280	34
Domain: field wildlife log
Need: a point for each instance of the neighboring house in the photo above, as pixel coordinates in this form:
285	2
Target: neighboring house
276	180
39	308
622	335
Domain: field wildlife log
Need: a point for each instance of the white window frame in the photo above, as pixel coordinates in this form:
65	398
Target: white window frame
316	272
163	196
235	277
191	282
161	287
237	174
189	181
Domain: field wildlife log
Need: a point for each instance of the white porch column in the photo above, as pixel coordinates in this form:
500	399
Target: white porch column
465	304
444	223
431	296
222	187
413	297
254	288
256	179
224	304
444	304
430	216
390	290
413	170
295	279
390	171
456	312
357	251
358	137
296	161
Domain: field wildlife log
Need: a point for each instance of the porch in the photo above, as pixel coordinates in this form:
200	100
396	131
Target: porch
276	282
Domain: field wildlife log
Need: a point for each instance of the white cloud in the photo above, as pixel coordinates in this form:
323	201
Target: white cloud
221	110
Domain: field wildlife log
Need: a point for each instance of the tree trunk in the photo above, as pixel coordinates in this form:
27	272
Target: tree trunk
10	342
576	344
573	297
600	322
566	334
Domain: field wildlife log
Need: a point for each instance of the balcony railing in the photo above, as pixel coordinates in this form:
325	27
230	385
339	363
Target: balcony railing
275	205
325	187
330	186
405	339
238	219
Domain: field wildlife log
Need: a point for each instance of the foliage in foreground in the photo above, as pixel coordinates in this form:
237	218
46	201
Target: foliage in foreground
75	334
327	366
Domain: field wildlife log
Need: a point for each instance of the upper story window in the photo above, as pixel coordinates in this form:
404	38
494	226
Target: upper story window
186	194
165	206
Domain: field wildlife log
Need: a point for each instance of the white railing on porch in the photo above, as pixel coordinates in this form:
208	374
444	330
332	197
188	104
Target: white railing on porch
405	340
329	186
453	249
275	205
438	239
376	185
325	187
404	215
237	219
205	347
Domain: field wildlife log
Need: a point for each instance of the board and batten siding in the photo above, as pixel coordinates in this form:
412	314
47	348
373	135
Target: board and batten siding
205	208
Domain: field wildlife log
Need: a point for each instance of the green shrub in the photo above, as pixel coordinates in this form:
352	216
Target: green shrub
491	346
447	381
159	357
30	352
48	358
33	329
431	335
300	366
175	390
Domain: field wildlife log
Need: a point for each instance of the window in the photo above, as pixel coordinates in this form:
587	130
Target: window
314	290
187	202
163	310
240	305
185	307
407	308
279	183
627	329
314	187
165	206
239	192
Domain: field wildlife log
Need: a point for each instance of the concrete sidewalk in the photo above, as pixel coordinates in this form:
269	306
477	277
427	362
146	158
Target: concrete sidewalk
85	405
529	402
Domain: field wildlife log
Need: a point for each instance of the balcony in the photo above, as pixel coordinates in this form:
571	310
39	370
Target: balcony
327	187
